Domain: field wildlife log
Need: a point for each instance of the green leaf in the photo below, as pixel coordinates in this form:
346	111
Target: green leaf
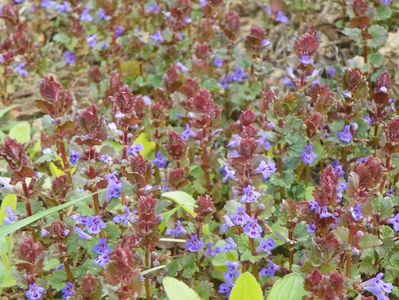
246	288
378	36
375	59
383	12
182	199
7	109
178	290
369	240
166	217
290	287
61	38
21	132
50	264
10	201
8	229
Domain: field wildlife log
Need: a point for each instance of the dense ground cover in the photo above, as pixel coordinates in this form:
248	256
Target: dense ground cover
199	149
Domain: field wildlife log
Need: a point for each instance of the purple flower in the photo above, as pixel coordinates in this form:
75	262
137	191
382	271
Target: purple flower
239	75
95	224
235	141
187	133
314	206
10	218
68	291
389	193
225	288
281	17
34	292
160	160
20	70
227	224
157	38
234	154
210	252
114	188
101	15
105	159
182	68
18	1
101	260
312	228
331	72
229	245
265	43
253	229
395	222
102	247
217	62
378	287
263	141
306	60
118	31
82	235
228	173
266	246
74	157
385	2
338	169
134	150
92	40
270	270
307	155
177	231
47	4
345	135
122	219
249	195
240	217
325	214
63	8
44	233
70	58
152	8
194	244
232	272
85	16
266	169
356	212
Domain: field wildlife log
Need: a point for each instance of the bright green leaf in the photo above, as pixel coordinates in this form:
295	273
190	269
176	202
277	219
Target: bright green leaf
178	290
55	171
21	132
246	288
290	287
182	199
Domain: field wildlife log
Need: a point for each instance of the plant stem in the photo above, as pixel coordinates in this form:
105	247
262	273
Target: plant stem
27	201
